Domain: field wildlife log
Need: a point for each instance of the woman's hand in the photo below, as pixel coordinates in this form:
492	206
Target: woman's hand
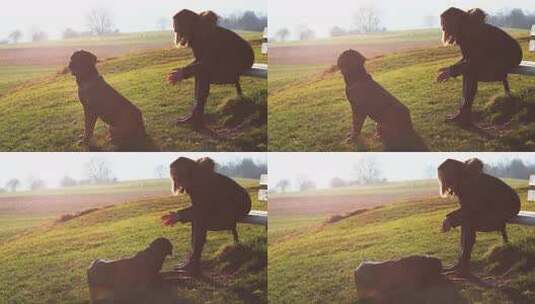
169	219
443	75
175	76
446	225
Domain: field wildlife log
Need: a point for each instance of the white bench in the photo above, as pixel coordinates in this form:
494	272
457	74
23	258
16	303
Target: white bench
259	70
527	67
527	218
255	217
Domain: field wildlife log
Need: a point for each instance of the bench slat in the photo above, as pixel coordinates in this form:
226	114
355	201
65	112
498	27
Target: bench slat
524	218
525	68
259	70
255	217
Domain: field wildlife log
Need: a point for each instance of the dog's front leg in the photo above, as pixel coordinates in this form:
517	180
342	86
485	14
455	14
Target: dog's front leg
89	129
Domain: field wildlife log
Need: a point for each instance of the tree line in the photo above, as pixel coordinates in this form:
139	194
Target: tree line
96	172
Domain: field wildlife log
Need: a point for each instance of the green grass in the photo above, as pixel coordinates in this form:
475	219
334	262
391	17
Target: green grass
315	263
310	112
44	114
10	76
47	263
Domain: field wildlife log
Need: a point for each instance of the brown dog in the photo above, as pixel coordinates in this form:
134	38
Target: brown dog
217	203
128	280
100	100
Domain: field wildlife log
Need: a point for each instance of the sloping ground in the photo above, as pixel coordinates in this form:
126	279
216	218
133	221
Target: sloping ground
316	265
43	114
310	111
48	263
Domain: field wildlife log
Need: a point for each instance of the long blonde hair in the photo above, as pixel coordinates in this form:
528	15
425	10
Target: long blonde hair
451	171
451	21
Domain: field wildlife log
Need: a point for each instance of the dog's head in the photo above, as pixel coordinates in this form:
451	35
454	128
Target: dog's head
350	62
186	23
82	62
161	247
186	172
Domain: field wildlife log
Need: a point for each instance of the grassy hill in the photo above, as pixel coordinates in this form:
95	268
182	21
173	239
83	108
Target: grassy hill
311	259
47	263
308	110
42	113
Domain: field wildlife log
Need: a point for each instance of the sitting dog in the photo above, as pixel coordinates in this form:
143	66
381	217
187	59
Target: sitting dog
382	282
100	100
129	280
369	99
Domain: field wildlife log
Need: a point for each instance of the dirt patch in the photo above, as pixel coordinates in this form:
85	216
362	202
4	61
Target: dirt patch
341	204
336	218
69	204
59	55
327	54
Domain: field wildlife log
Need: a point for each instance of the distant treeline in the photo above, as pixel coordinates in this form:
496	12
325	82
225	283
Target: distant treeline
248	21
245	168
515	18
515	168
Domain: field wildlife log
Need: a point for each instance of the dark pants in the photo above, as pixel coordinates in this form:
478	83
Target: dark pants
472	77
489	222
198	239
206	76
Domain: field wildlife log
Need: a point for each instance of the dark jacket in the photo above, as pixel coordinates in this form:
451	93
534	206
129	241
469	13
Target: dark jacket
219	202
487	50
222	52
486	202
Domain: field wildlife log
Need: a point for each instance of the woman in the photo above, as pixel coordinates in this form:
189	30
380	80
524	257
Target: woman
217	203
489	54
220	57
486	204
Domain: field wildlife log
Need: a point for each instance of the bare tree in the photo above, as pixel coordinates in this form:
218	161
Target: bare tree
283	185
367	20
98	171
15	36
35	183
305	33
13	184
337	182
305	184
337	31
161	171
68	181
37	35
282	34
99	21
367	171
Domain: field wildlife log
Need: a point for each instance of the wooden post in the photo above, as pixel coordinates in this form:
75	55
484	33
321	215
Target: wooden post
263	192
265	42
531	190
532	41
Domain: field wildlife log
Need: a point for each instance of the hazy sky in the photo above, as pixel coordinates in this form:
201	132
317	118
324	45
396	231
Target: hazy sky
51	167
53	16
322	167
395	14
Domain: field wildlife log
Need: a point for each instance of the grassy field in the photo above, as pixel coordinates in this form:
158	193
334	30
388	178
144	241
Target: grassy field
308	110
42	113
47	263
311	259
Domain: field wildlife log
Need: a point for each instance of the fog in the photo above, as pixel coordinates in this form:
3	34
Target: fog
320	16
52	167
53	16
320	168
